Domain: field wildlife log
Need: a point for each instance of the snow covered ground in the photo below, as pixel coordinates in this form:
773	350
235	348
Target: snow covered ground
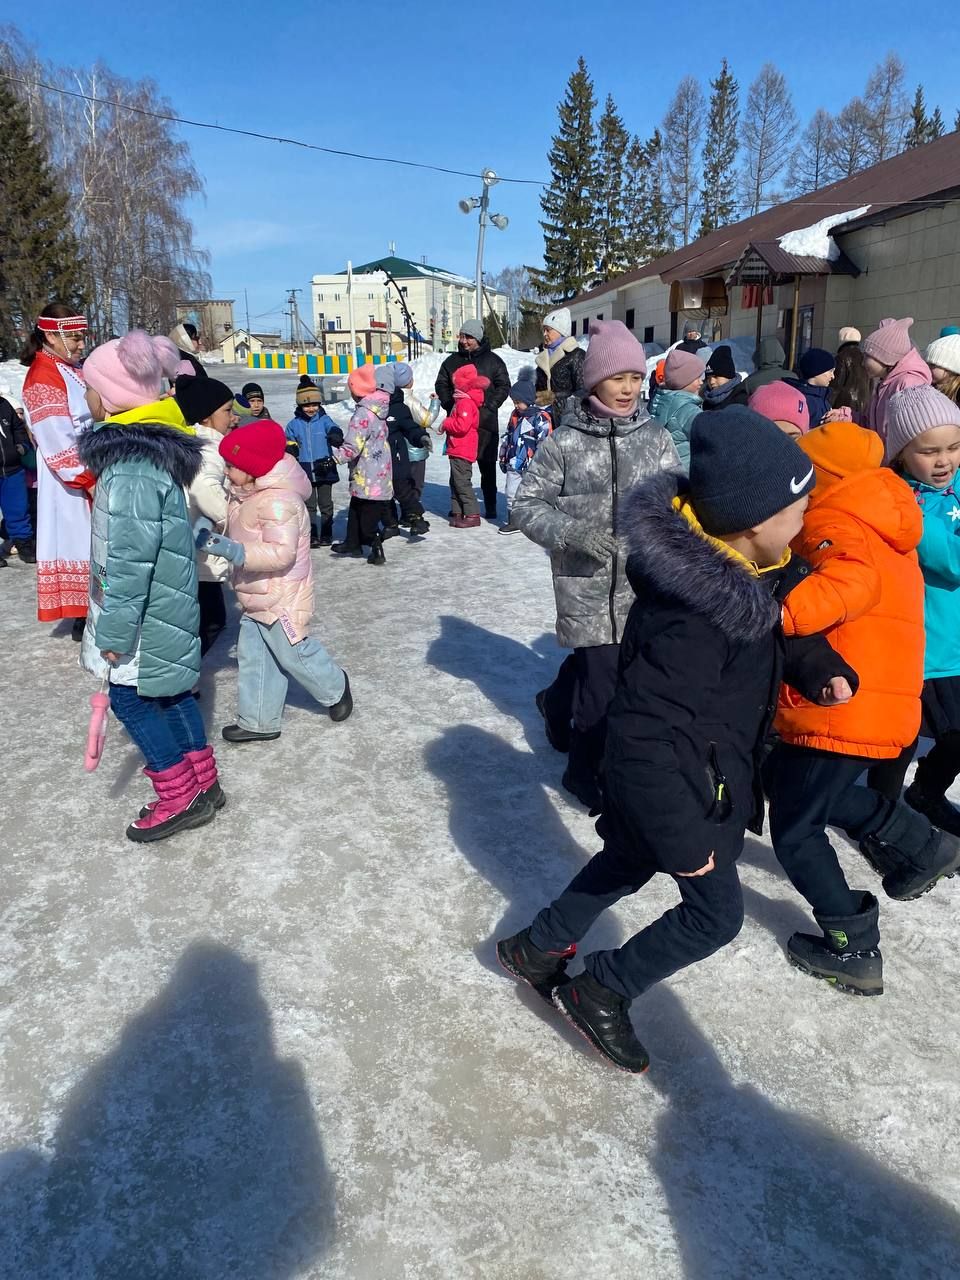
280	1046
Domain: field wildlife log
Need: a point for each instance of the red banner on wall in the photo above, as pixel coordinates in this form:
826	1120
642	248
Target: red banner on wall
750	296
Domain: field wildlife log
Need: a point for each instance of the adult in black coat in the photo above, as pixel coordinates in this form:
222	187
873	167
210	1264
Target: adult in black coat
473	348
187	341
560	364
692	339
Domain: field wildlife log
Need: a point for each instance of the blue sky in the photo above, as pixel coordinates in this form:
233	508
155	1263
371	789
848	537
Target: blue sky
463	86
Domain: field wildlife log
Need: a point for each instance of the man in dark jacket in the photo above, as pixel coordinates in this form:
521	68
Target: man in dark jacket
722	384
14	443
692	340
700	668
473	348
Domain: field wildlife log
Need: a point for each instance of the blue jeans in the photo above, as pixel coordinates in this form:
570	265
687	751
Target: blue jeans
265	658
13	505
164	729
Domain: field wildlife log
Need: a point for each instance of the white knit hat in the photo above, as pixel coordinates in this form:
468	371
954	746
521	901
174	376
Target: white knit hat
849	334
945	353
559	320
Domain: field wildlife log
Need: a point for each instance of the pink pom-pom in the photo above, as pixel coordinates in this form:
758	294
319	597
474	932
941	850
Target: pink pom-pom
138	355
168	356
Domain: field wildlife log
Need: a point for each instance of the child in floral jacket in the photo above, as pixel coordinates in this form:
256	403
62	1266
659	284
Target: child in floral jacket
528	425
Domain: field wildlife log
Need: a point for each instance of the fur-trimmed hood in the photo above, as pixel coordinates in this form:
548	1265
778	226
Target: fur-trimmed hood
166	448
669	553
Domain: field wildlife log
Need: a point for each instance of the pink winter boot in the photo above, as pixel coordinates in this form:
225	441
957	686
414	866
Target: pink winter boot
181	804
208	780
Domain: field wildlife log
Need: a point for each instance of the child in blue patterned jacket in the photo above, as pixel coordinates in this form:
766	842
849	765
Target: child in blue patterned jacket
528	425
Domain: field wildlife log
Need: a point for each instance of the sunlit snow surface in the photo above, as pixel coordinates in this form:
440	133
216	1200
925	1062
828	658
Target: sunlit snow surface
280	1046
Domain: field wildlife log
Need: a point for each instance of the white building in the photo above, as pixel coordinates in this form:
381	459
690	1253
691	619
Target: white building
438	302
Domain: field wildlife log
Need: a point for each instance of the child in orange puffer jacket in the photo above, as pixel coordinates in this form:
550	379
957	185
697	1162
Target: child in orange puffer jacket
865	594
462	427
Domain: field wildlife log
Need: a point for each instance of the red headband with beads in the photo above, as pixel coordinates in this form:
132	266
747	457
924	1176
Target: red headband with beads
68	324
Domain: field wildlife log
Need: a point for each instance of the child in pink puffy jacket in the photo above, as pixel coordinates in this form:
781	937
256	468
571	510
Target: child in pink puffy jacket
462	429
268	541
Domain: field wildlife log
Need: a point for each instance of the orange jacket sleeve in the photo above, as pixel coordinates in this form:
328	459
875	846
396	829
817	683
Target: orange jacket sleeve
845	582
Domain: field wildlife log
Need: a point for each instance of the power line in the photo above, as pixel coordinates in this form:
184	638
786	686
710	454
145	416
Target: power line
250	133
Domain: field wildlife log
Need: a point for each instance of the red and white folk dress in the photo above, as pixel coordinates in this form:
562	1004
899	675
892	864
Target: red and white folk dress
56	412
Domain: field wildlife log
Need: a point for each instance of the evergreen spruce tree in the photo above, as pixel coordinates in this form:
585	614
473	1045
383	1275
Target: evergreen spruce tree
718	201
612	143
918	129
569	203
657	211
39	256
936	128
636	183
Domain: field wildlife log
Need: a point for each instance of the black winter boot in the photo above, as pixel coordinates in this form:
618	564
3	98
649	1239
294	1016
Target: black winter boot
345	549
376	555
603	1017
542	970
910	854
26	550
848	955
557	731
418	527
340	710
935	806
314	537
391	531
326	532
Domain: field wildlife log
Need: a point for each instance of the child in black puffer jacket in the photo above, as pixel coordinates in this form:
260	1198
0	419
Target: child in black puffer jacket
404	434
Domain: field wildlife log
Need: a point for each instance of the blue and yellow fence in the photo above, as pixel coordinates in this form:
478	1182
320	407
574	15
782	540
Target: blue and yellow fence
315	363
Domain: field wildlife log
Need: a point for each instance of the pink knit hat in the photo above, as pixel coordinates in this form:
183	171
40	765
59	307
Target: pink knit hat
781	402
913	411
129	371
362	382
890	342
613	349
682	368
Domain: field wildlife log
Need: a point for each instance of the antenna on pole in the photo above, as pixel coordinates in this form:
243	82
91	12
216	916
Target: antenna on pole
294	316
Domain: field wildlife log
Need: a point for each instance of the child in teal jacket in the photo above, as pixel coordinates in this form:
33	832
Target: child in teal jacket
923	445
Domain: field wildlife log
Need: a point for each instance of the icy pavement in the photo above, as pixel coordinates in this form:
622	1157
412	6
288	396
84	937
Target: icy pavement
280	1046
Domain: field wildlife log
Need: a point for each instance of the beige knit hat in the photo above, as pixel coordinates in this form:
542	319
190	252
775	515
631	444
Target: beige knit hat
849	334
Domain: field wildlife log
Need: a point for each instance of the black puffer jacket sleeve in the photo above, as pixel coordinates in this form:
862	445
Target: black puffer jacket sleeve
444	384
811	662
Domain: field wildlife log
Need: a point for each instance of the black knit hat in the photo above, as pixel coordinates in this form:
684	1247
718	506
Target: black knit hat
743	469
252	389
721	363
199	397
814	362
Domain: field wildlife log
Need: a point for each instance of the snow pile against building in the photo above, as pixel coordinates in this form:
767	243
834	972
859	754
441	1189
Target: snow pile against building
816	241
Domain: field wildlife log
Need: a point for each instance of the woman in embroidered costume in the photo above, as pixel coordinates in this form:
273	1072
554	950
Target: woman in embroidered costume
56	412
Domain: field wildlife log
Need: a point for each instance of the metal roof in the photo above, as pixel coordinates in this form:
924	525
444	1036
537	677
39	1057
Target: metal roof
767	263
927	174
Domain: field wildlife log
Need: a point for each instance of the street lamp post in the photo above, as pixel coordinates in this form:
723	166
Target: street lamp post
482	202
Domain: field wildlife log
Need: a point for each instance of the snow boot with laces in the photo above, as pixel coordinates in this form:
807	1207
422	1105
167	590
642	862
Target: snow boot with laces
542	970
848	954
602	1016
181	804
208	779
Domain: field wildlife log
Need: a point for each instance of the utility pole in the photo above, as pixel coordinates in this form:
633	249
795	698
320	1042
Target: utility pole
246	307
294	317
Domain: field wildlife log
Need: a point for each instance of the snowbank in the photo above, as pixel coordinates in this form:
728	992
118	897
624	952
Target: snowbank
12	375
816	241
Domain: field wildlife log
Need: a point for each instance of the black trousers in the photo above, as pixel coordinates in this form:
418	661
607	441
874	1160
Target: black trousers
213	613
709	915
558	696
810	790
594	684
321	499
364	519
488	451
405	496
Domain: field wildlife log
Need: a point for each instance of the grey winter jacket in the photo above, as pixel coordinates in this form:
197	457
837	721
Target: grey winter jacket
580	475
143	573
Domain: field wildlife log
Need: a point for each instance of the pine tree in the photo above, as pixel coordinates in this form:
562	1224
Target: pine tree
813	161
682	135
569	203
936	128
769	124
919	121
636	182
39	256
612	143
718	192
886	104
656	215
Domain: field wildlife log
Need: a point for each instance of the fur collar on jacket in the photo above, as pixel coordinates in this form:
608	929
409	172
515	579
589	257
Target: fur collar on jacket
166	448
546	359
683	564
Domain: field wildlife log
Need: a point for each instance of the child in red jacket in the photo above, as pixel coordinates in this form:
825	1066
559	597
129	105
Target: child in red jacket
462	428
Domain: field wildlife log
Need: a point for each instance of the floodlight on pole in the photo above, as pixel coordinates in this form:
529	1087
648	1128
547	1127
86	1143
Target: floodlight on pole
482	202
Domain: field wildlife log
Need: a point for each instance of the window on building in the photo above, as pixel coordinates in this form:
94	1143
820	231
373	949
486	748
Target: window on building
343	348
369	297
319	297
648	334
600	316
586	324
631	318
573	328
336	297
339	322
372	320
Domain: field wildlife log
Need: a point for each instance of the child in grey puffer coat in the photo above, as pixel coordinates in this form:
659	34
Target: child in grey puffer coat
569	503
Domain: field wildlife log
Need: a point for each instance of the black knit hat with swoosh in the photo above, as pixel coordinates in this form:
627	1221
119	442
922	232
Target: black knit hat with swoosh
743	470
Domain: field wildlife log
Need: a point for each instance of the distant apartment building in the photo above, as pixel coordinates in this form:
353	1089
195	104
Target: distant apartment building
438	302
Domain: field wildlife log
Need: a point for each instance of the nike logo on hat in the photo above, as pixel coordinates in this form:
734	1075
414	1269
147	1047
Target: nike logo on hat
798	486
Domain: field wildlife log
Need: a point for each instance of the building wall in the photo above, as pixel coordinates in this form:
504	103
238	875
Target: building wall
910	267
213	318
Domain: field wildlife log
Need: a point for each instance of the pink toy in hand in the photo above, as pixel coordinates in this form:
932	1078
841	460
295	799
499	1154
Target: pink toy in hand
97	728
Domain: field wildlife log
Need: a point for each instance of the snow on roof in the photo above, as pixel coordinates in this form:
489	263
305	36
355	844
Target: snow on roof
816	241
